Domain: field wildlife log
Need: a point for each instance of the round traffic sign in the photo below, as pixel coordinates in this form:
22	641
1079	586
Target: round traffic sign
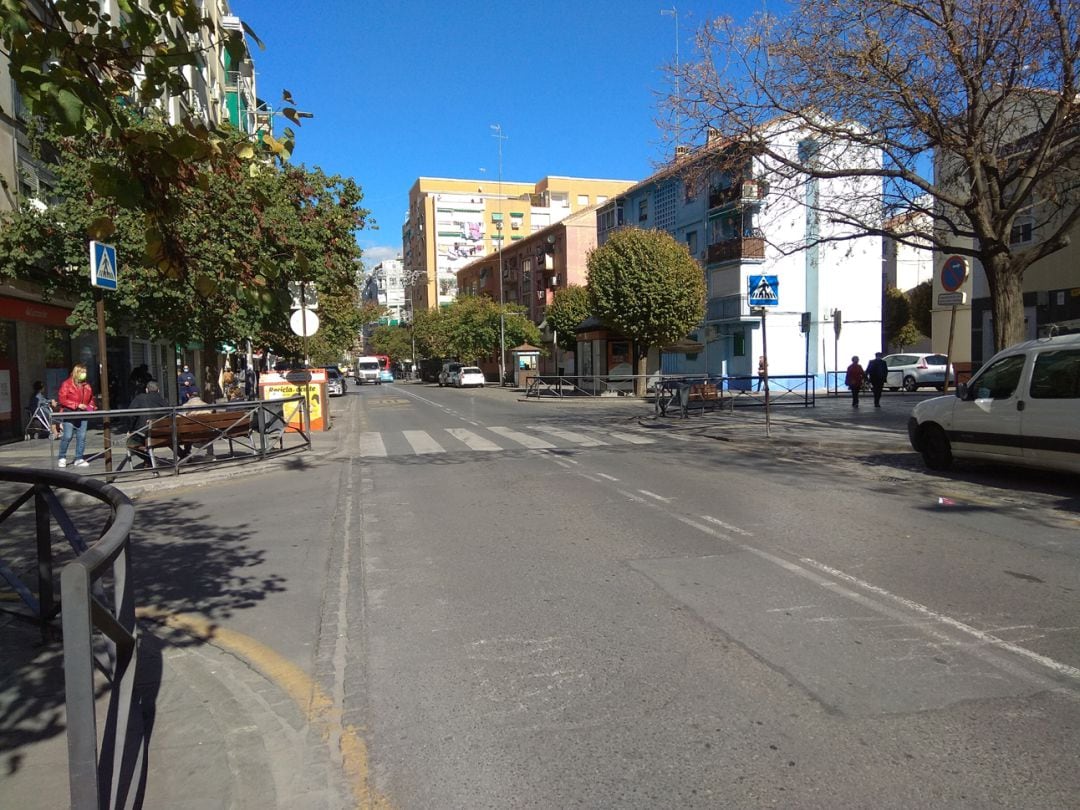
953	273
304	322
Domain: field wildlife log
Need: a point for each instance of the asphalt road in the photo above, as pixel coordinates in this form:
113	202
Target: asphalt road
529	605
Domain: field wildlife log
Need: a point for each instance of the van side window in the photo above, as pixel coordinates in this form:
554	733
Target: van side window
1056	375
999	380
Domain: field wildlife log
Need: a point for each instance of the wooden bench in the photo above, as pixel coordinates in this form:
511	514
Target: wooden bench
194	431
707	395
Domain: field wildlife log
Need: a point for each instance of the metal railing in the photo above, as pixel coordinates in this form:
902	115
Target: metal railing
99	632
590	385
734	391
257	428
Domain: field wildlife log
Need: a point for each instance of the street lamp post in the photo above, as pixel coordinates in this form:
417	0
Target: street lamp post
498	133
674	12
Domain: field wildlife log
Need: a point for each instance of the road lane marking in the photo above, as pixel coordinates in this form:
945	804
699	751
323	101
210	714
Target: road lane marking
371	445
727	526
524	439
631	438
986	638
630	496
471	440
317	707
422	442
608	477
569	436
660	498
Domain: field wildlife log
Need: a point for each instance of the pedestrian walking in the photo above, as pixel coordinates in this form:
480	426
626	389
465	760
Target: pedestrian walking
877	371
75	395
186	385
854	380
762	371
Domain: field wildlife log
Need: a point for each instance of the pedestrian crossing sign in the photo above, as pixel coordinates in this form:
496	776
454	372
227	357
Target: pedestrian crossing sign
764	291
103	270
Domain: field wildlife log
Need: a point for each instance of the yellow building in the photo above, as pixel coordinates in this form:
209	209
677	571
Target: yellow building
452	222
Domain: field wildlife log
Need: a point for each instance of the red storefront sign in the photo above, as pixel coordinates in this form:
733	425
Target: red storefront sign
18	309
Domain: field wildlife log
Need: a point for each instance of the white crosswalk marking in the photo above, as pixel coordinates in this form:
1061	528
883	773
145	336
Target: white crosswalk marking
422	443
471	440
371	445
631	438
523	439
569	436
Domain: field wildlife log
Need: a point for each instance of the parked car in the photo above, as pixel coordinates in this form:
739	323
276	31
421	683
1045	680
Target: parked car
914	371
335	381
446	374
386	375
367	370
469	376
1022	407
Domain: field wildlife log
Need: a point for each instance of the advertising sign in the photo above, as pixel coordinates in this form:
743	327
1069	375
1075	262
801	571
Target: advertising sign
311	383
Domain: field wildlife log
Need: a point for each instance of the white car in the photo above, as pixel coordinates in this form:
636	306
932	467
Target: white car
1022	407
469	375
914	371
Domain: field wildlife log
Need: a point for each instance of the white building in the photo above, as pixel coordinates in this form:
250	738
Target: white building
385	285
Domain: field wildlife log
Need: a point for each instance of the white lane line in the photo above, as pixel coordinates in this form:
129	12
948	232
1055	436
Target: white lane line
595	479
422	443
630	437
471	440
986	638
569	436
523	439
660	498
727	526
371	445
608	477
630	496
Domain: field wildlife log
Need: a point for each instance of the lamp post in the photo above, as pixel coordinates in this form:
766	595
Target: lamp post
498	134
674	12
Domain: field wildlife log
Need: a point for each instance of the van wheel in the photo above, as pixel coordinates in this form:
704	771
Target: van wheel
936	450
910	384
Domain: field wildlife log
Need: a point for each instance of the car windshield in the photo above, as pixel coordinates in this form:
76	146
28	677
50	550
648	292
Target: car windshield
470	371
332	373
369	366
935	359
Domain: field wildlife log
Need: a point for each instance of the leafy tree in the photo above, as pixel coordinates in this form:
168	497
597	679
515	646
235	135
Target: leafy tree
645	285
468	329
71	60
432	330
920	301
568	308
985	91
393	341
896	316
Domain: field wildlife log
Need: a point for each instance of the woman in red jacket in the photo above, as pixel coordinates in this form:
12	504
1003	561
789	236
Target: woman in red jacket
75	395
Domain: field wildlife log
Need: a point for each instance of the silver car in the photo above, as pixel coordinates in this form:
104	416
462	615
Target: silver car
335	381
916	370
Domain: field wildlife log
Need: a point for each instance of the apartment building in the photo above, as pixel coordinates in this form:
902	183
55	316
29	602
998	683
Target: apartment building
753	222
36	342
452	222
385	285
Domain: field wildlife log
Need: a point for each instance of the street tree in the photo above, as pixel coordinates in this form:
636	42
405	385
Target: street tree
973	104
568	308
920	303
645	285
393	341
895	316
72	60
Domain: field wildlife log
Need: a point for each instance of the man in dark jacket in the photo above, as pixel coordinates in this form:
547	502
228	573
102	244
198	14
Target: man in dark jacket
150	398
877	372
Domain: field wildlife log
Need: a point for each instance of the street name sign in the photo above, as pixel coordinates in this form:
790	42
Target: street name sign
951	299
764	291
103	270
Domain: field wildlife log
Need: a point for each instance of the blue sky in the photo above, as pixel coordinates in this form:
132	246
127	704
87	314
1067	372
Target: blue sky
406	89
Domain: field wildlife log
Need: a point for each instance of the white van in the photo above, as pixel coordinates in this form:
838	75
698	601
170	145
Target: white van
367	370
1022	407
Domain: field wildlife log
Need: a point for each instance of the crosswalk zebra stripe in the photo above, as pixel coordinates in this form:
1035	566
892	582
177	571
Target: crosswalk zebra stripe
523	439
371	445
471	440
631	438
422	443
569	436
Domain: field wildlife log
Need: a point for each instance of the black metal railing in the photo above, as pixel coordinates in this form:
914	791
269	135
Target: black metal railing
686	392
97	611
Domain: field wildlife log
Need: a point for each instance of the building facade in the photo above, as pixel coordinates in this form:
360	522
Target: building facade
452	222
37	342
748	222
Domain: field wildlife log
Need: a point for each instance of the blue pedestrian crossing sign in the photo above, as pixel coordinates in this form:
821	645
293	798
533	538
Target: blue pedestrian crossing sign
103	270
764	291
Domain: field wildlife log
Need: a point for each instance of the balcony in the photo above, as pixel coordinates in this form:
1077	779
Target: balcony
747	191
745	248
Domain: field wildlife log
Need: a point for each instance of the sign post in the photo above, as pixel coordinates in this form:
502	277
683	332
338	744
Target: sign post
953	275
104	275
764	292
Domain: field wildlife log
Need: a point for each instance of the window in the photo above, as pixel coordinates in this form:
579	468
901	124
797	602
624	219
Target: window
1021	233
999	381
1056	375
642	210
583	199
691	243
